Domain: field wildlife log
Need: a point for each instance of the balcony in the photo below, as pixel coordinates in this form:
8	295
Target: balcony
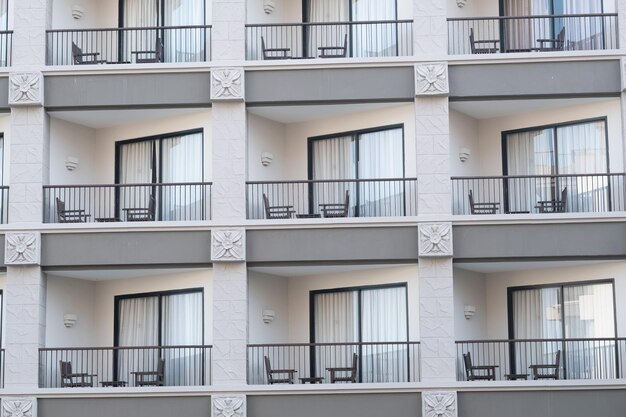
120	367
127	202
382	362
367	39
538	33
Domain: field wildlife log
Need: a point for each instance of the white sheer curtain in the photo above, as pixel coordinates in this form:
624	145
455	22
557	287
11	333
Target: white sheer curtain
522	34
138	326
137	166
384	319
380	156
140	13
530	153
334	159
181	163
329	10
181	324
377	39
184	45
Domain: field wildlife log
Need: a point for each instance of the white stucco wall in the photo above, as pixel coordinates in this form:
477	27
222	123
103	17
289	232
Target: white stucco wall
469	289
265	135
69	139
267	292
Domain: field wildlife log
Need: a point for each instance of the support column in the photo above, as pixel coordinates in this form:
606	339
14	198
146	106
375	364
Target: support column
430	30
25	310
621	23
228	37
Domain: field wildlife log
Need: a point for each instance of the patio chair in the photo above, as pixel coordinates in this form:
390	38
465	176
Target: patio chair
349	373
478	46
151	378
85	58
150	57
336	209
287	377
70	379
553	206
274	53
277	212
549	45
142	214
548	371
481	208
335	51
478	372
70	216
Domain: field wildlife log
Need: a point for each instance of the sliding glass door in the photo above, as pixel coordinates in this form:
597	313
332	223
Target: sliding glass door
573	312
562	154
366	315
155	322
168	159
368	154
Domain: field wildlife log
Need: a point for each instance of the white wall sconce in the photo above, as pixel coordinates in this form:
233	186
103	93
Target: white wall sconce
469	311
461	3
77	11
69	320
269	6
71	163
266	158
464	154
268	316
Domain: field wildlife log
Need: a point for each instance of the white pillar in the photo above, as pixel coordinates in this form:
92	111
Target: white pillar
621	23
430	30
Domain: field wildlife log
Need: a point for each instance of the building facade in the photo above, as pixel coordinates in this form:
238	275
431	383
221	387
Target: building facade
268	208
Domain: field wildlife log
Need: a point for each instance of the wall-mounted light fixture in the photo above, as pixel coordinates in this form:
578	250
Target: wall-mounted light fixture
77	11
464	154
71	163
461	3
69	319
266	158
469	311
269	6
268	316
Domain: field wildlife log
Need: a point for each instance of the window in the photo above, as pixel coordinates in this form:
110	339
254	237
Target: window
366	154
171	318
556	157
176	158
362	315
566	311
367	40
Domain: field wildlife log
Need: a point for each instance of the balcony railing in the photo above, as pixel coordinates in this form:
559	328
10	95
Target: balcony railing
173	44
598	358
127	202
389	197
116	366
377	362
507	34
382	38
518	194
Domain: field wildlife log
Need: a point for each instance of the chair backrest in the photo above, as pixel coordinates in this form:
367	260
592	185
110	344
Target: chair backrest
77	54
266	204
467	361
471	39
557	362
60	209
152	207
470	195
161	370
346	203
66	368
564	199
268	369
560	40
355	360
263	48
159	51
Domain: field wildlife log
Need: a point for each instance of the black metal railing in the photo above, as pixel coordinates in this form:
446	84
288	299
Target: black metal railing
507	34
596	358
515	194
173	44
6	48
388	197
116	366
377	362
4	204
127	202
382	38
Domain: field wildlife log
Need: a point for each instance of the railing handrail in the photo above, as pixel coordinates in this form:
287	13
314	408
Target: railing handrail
577	339
149	184
260	345
56	349
129	28
330	181
5	32
496	177
543	16
361	22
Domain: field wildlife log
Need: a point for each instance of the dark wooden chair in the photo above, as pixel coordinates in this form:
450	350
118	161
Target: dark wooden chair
478	372
69	379
349	372
85	58
277	212
478	46
285	376
151	378
481	208
335	51
274	53
151	56
70	216
548	45
548	371
336	209
553	206
142	214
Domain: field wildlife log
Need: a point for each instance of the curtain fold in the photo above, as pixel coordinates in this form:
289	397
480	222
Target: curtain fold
184	45
137	166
